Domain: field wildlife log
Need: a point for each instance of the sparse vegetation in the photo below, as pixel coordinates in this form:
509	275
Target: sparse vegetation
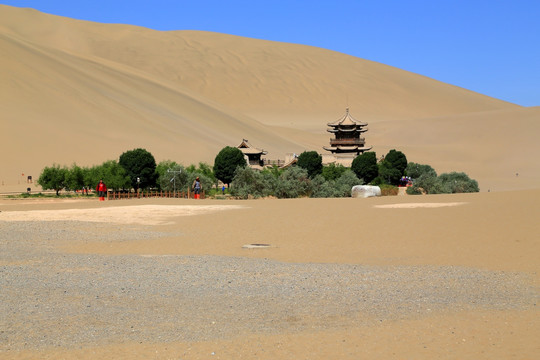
325	181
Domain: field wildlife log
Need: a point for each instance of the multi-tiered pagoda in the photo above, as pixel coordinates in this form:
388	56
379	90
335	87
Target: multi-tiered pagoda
347	140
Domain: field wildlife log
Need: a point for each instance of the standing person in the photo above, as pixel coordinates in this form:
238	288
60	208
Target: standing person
197	187
101	190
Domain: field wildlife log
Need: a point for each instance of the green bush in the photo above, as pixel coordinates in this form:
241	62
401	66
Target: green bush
458	182
292	183
248	182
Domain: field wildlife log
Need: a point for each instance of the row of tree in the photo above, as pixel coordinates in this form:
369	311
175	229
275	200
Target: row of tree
137	169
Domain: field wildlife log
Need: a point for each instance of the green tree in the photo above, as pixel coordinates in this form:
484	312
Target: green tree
75	178
140	166
392	168
53	178
114	175
365	166
226	162
171	176
312	162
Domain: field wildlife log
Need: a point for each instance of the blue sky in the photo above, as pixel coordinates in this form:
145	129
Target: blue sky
492	47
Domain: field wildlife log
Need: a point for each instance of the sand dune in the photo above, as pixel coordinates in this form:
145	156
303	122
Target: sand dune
77	91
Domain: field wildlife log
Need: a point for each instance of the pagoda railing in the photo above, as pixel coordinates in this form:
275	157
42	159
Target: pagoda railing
360	141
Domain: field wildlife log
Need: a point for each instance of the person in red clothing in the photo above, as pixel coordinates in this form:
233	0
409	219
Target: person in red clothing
101	190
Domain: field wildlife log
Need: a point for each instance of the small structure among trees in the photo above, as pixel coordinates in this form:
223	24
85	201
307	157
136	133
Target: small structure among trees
252	154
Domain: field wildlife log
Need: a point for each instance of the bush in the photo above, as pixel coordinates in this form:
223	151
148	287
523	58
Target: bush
389	190
458	182
346	182
292	183
414	170
333	171
248	182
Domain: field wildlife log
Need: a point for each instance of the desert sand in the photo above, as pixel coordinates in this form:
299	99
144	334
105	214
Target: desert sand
481	241
81	92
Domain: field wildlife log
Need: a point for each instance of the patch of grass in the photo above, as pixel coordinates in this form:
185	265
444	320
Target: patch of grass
388	190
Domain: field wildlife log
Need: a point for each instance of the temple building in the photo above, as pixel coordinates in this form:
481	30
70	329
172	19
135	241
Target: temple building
347	142
252	154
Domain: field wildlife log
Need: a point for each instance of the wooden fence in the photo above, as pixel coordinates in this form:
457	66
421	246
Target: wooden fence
119	195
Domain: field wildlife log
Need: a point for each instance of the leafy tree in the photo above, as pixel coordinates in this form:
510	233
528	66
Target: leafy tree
171	176
53	178
392	168
312	162
365	166
226	162
333	171
139	164
75	178
114	175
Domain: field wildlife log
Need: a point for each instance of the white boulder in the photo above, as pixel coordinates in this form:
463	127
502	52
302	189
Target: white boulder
365	191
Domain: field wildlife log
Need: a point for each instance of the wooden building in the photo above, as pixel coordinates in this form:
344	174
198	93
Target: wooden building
347	136
252	154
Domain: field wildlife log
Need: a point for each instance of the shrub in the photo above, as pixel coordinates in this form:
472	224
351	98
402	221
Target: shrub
293	182
345	183
248	182
333	171
414	170
458	182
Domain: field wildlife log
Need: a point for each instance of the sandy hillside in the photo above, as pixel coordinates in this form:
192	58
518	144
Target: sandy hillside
77	91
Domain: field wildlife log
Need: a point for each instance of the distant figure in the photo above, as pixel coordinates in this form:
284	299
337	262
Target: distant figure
223	189
29	179
101	190
197	188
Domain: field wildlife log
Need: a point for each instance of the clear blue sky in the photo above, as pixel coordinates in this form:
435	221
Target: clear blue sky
488	46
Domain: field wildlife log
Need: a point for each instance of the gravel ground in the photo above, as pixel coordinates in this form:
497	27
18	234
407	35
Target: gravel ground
50	299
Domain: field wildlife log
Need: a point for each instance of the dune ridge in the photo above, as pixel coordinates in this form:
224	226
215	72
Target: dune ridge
84	92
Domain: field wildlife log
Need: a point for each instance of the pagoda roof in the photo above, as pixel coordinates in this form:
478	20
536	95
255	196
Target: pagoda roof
347	148
247	148
347	120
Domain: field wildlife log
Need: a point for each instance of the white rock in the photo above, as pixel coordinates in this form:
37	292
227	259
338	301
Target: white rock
364	191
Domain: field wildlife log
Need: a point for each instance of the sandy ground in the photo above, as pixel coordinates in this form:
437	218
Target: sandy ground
489	231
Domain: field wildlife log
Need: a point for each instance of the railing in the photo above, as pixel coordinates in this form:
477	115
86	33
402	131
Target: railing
274	162
360	141
119	195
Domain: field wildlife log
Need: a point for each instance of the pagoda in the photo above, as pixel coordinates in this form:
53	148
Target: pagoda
347	140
